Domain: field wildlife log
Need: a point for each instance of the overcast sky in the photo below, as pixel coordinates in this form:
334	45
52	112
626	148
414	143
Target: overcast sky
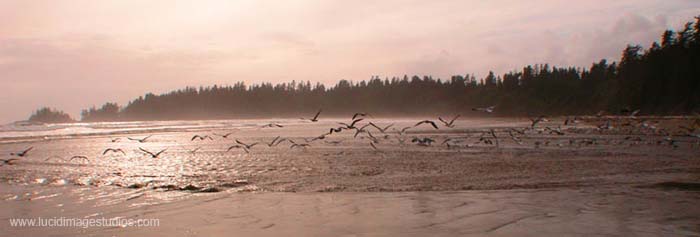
74	54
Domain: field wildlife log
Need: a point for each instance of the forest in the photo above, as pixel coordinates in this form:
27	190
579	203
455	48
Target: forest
662	79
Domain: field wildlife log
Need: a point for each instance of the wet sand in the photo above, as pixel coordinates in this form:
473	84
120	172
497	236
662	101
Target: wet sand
604	211
586	181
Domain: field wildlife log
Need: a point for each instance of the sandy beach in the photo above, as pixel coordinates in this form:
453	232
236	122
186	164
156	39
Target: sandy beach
582	181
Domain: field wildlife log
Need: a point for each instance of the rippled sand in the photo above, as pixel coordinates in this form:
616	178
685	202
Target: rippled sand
582	166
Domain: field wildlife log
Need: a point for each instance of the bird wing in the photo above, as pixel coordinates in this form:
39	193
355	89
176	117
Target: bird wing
442	120
27	150
144	150
316	116
455	118
355	121
161	152
239	142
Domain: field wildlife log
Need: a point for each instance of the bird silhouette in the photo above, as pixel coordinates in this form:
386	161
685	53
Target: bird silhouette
382	130
315	118
201	138
22	153
352	124
238	146
247	146
224	135
7	161
142	140
272	125
276	141
489	109
154	155
426	122
449	124
359	114
113	150
79	157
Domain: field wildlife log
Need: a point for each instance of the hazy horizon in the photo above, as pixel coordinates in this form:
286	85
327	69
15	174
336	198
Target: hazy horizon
87	53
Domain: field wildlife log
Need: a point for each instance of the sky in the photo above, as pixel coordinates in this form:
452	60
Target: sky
72	55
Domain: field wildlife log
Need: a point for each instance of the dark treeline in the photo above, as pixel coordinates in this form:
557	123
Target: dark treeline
50	115
663	79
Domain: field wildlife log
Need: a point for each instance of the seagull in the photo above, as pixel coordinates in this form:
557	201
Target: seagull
403	130
315	119
382	130
238	146
301	145
428	122
351	125
7	162
151	153
336	130
23	153
201	138
423	141
487	109
449	124
224	135
113	150
323	136
247	146
360	114
142	140
79	157
271	125
276	141
537	120
116	139
333	142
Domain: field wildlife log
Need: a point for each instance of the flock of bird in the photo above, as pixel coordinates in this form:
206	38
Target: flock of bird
361	127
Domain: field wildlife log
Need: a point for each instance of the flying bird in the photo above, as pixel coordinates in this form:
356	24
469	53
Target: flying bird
201	138
239	147
113	150
79	157
23	153
382	130
426	122
333	142
116	139
224	135
449	124
352	124
423	141
142	140
247	146
272	125
315	118
276	141
359	114
403	130
300	145
7	161
152	154
487	109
